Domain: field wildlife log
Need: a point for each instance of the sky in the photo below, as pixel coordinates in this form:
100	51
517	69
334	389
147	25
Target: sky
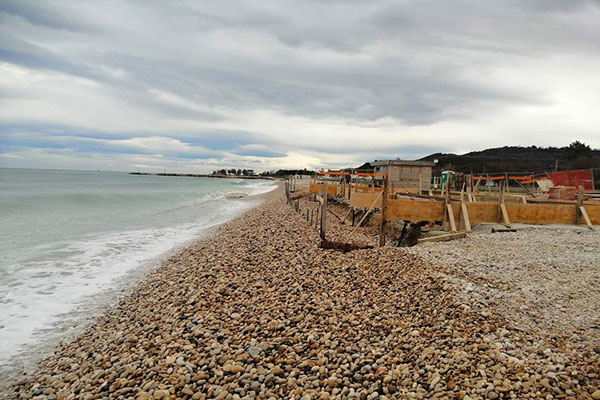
195	86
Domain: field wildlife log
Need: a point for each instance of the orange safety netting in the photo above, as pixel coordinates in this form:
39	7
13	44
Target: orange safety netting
524	182
580	177
500	178
488	178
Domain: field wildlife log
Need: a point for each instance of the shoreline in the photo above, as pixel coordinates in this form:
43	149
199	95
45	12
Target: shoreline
87	312
257	310
269	178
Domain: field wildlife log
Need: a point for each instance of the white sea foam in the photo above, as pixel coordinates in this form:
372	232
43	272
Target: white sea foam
53	283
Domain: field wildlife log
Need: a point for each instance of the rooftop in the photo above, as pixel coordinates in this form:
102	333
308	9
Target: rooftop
413	163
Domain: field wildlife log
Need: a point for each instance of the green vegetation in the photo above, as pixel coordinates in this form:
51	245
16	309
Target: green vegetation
519	159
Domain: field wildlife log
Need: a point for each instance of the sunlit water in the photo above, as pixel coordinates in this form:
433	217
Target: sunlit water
68	239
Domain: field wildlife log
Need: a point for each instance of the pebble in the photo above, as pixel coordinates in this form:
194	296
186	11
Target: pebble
258	310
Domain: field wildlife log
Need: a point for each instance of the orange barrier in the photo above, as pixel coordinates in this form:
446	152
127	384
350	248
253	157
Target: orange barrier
581	177
532	180
501	178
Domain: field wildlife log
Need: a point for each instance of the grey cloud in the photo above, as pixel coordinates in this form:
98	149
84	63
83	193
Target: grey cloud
419	62
45	14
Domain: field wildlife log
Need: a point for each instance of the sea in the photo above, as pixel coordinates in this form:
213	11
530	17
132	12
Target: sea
72	241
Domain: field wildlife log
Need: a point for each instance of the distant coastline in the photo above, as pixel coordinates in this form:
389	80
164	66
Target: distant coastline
203	175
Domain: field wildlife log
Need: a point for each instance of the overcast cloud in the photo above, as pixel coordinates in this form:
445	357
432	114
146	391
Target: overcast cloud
194	85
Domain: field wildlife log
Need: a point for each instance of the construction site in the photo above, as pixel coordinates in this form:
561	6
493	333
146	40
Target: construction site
524	245
447	207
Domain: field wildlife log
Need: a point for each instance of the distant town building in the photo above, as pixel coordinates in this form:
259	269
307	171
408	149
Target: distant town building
406	174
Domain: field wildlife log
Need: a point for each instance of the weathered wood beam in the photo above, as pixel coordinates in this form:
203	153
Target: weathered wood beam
505	218
382	224
451	217
340	246
586	218
464	214
300	195
443	238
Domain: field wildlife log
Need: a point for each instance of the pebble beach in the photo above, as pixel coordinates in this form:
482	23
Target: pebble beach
258	311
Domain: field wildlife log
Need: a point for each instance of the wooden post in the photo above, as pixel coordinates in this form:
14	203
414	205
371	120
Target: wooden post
469	184
464	217
499	215
451	217
446	187
382	224
502	209
323	212
287	193
586	218
579	205
504	212
420	181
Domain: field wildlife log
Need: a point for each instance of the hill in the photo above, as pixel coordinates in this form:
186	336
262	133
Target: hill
519	159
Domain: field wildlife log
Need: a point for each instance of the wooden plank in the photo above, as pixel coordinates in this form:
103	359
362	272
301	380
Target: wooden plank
364	200
414	210
382	223
586	217
444	238
332	190
593	211
505	218
494	230
323	212
579	205
464	213
451	218
541	213
447	202
482	212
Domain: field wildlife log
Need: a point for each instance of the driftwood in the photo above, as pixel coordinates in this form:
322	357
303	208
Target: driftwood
299	195
340	246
